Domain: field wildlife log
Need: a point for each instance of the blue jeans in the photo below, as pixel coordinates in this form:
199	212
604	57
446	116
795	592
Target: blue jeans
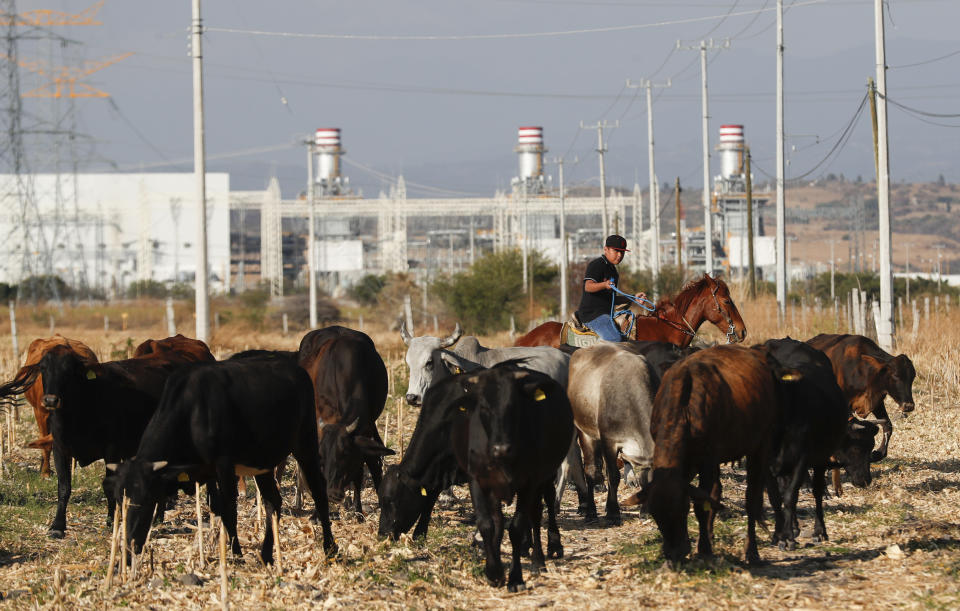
604	327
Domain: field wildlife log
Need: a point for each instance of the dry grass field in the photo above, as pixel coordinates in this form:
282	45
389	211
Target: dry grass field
894	544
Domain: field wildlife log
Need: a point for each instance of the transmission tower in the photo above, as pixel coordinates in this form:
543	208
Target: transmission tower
45	240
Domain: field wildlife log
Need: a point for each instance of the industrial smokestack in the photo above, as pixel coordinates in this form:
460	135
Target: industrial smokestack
328	177
731	148
530	152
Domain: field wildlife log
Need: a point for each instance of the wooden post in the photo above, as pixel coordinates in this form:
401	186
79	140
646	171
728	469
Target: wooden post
916	318
224	602
106	324
275	523
926	309
199	525
13	333
113	552
285	326
400	425
57	597
123	539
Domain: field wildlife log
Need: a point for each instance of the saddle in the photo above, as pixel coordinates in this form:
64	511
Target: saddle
575	333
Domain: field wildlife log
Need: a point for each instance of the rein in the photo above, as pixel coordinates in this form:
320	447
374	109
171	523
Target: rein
731	334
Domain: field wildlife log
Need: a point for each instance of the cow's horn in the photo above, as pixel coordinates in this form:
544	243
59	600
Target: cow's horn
404	334
111	466
159	464
453	337
352	426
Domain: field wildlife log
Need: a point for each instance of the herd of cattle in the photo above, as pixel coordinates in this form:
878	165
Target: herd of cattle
512	423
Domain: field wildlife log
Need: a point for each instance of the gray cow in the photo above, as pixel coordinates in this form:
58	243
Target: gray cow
468	354
610	395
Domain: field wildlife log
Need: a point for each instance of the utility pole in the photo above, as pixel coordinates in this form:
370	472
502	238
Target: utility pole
201	288
752	267
908	272
600	126
676	190
781	172
563	242
523	225
654	192
885	324
707	220
831	271
311	219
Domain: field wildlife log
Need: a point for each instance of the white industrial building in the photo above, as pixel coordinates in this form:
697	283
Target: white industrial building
105	231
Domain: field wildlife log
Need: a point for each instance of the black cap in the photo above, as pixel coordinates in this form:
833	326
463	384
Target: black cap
616	242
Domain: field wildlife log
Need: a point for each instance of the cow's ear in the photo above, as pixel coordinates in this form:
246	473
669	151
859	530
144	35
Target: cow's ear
872	361
789	375
372	447
534	390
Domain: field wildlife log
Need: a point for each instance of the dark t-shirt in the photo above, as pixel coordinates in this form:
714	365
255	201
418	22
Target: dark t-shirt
593	305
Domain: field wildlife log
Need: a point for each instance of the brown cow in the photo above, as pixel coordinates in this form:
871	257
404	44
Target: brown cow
866	374
186	348
715	406
34	394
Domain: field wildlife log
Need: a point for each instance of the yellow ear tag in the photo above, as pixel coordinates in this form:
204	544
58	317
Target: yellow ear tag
457	370
183	477
91	375
423	492
463	409
789	377
539	395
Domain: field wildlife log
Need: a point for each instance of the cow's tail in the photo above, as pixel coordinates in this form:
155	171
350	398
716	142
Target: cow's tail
24	379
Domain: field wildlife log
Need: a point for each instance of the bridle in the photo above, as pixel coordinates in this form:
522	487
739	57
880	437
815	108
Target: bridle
731	334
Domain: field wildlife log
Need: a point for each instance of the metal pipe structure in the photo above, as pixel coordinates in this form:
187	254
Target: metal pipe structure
201	286
781	206
885	324
707	221
311	239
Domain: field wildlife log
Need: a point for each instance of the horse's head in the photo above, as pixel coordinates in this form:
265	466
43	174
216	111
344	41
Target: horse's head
721	311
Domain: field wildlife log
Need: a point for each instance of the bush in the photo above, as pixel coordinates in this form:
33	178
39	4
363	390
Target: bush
491	291
368	289
146	288
43	288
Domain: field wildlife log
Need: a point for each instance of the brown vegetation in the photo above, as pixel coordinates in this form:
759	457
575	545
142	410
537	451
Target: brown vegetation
896	543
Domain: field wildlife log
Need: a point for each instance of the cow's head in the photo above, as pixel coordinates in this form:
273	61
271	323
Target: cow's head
401	503
668	501
142	482
420	360
488	421
63	372
856	451
343	452
895	377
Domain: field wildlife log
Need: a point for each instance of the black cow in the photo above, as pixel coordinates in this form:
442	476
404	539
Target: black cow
511	429
350	389
217	421
410	489
97	411
504	429
815	429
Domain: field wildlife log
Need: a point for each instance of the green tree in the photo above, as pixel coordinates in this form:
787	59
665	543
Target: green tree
368	289
484	297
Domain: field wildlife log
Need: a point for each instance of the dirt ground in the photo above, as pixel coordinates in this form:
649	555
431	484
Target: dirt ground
894	544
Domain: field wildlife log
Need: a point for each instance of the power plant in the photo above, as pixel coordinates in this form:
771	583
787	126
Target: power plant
264	239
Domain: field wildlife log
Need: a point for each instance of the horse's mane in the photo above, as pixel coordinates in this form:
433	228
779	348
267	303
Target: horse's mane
689	291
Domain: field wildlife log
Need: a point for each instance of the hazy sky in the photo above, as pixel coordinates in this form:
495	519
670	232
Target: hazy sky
435	89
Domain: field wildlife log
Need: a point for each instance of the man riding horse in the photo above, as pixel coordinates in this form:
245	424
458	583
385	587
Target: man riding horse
601	278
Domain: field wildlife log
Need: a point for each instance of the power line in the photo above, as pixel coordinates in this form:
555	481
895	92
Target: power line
501	36
924	62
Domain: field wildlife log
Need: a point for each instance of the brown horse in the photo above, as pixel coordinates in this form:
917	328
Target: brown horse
675	321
